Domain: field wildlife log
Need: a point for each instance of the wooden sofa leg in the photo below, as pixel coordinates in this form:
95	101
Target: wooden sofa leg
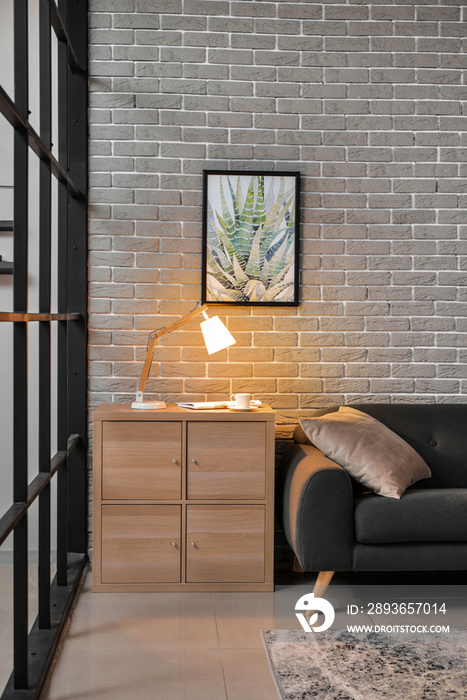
322	582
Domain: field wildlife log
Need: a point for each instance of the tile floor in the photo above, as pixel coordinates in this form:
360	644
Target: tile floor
165	646
193	646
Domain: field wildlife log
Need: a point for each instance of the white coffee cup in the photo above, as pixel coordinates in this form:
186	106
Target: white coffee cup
241	400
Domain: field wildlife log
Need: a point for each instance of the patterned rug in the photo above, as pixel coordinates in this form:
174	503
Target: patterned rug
338	665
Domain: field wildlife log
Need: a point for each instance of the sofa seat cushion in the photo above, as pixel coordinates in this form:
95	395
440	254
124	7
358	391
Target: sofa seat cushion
421	515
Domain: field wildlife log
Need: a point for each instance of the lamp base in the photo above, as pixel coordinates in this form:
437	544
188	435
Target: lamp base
148	405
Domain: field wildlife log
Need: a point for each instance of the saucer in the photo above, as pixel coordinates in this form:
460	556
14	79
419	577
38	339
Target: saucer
243	410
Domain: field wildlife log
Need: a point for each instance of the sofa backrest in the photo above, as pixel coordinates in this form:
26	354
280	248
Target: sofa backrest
438	432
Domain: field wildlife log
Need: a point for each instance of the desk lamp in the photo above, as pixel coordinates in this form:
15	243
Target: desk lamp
216	337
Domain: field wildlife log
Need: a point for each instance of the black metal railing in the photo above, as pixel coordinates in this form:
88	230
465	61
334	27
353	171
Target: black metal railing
33	651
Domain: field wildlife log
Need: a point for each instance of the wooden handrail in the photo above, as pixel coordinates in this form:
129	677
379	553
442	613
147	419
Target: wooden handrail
7	316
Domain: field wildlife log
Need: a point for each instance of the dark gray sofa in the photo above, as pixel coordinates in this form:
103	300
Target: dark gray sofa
333	525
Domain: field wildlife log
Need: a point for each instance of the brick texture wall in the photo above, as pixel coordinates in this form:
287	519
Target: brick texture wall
368	101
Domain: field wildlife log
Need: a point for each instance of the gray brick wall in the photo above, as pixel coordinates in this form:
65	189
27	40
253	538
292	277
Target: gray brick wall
366	100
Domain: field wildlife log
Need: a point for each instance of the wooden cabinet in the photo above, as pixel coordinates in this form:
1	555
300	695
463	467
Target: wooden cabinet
183	500
154	468
140	543
225	543
226	460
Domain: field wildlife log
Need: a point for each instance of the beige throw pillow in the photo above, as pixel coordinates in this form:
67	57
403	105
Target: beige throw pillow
372	453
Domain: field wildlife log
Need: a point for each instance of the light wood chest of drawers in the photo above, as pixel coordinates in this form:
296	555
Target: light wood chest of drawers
183	499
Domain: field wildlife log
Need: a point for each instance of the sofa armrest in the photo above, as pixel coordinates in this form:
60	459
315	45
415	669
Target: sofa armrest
314	503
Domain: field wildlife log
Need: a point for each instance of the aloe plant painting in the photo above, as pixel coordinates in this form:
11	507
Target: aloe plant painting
250	238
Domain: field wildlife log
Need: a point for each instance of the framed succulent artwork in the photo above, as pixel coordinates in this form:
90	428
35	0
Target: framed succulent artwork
250	237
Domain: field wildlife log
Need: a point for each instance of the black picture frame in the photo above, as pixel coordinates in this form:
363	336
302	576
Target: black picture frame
250	237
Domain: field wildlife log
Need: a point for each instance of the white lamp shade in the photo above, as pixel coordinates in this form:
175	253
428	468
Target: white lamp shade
216	335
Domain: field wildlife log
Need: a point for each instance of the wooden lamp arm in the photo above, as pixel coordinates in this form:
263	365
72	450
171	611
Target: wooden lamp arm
154	335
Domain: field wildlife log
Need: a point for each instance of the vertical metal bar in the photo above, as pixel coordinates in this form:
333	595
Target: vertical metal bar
45	226
20	340
77	281
44	558
20	604
62	476
62	303
20	213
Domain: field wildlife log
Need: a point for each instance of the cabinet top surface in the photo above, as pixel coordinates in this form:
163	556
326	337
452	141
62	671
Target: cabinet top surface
122	411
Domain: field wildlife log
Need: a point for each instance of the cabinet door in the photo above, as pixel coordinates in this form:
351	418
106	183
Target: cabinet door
140	544
226	459
141	460
225	544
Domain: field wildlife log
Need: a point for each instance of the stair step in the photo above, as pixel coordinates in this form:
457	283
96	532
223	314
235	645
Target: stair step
6	225
6	268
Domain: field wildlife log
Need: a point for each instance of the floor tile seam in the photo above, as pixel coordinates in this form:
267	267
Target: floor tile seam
219	647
